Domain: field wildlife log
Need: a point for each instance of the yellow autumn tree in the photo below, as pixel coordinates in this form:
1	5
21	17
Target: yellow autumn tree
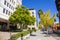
45	18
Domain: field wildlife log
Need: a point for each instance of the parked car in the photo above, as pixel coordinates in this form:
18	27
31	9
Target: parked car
56	28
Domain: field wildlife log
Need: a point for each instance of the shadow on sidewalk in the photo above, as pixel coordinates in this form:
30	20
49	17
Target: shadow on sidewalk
51	34
32	35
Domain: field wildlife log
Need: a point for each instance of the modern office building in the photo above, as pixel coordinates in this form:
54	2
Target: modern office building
7	7
33	13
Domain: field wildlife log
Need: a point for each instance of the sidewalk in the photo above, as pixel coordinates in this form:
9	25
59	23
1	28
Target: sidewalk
4	35
40	36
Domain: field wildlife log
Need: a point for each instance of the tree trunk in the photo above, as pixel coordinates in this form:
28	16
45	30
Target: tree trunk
47	31
21	28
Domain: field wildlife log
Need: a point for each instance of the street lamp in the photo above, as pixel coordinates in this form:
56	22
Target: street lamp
58	8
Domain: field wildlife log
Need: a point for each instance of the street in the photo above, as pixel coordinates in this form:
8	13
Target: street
39	35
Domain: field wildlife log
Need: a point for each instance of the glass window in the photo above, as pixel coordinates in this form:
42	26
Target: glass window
9	6
10	0
12	8
5	2
3	10
9	13
6	11
14	3
32	13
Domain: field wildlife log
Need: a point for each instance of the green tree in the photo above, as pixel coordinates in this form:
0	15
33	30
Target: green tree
22	17
40	12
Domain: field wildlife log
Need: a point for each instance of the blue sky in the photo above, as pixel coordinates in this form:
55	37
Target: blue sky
45	5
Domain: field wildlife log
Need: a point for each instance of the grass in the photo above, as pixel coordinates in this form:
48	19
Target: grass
16	36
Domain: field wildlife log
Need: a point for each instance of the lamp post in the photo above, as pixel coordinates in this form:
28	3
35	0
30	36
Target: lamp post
58	8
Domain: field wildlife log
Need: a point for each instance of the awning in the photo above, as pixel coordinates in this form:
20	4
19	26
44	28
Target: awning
4	20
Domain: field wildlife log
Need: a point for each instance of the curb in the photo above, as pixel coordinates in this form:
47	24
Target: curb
24	37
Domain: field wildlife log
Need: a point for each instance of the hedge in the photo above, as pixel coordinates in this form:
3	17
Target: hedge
16	36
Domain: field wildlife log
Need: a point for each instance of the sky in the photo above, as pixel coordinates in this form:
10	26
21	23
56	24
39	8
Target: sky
45	5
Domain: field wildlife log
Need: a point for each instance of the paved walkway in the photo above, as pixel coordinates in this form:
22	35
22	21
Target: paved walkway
4	35
40	36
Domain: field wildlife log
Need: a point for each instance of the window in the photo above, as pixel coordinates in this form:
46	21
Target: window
14	3
9	6
6	11
9	13
12	8
32	13
5	2
10	0
3	10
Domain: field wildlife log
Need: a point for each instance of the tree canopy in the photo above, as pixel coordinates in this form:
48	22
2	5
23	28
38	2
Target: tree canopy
45	18
22	16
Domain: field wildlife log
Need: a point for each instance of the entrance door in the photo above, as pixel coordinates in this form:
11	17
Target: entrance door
3	25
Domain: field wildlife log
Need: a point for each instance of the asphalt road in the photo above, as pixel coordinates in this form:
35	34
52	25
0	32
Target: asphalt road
56	36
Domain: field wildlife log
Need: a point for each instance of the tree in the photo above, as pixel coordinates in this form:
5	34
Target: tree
45	18
21	16
40	12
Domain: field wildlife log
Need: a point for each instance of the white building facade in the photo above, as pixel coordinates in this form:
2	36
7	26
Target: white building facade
7	7
33	13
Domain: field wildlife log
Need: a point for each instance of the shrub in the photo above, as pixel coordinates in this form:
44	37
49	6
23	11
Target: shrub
39	27
34	29
15	36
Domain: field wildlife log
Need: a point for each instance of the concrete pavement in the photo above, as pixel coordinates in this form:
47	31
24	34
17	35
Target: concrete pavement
4	35
39	35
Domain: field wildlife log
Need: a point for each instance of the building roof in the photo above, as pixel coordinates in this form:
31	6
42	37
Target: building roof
31	8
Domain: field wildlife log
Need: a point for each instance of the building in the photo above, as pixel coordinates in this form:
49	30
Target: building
7	7
33	13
